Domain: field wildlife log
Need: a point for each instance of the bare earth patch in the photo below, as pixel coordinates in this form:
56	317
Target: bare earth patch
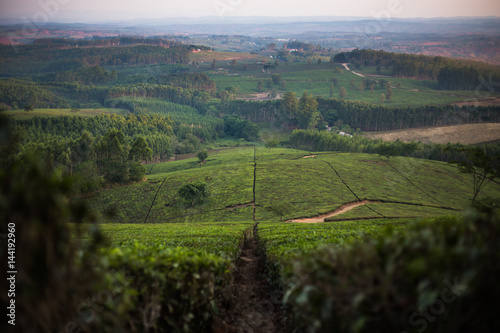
254	308
341	210
465	134
257	97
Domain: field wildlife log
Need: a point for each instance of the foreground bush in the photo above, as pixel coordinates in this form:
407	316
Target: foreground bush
440	275
165	289
58	285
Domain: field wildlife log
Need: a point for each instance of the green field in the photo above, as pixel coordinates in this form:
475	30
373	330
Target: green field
284	241
306	187
222	239
315	79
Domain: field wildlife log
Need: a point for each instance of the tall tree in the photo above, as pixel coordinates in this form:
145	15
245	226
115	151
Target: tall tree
140	150
308	115
289	104
113	143
343	93
482	167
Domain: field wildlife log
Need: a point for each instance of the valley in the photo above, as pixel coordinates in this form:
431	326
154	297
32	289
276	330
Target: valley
252	174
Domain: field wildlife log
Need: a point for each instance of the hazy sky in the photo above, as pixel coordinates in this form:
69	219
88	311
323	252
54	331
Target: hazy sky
59	9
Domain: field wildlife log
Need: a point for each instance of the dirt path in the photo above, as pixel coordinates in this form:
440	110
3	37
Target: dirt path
253	310
353	72
338	211
358	74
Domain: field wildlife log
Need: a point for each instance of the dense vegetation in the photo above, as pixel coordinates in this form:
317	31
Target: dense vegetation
111	41
451	74
165	256
365	116
111	142
47	56
132	288
423	277
327	141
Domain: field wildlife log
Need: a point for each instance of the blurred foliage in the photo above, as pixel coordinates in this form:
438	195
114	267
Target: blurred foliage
34	201
441	275
62	285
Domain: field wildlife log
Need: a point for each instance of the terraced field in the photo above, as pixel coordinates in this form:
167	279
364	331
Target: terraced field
284	241
238	233
222	239
288	186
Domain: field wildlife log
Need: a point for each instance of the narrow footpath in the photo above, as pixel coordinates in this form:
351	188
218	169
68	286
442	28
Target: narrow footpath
254	309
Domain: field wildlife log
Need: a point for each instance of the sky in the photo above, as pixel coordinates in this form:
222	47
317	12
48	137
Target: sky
111	10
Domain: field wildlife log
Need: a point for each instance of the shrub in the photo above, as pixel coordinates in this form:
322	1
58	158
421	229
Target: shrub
440	276
115	172
202	155
171	289
136	171
193	193
87	178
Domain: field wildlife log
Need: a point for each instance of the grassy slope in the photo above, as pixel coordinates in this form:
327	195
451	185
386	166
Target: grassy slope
307	187
314	78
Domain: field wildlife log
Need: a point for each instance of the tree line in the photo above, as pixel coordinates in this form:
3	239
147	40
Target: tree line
365	116
112	148
111	41
16	93
314	140
85	75
451	74
40	59
373	117
107	148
